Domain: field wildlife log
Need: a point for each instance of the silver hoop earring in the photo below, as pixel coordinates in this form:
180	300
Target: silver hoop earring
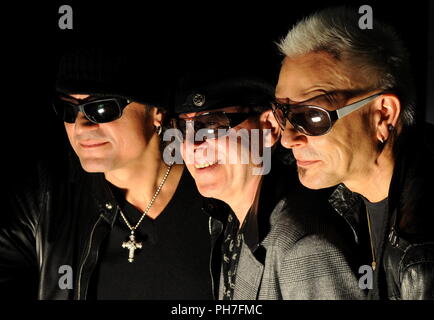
158	130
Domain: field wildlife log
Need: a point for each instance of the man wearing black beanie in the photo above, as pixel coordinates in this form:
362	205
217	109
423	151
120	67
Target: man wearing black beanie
120	223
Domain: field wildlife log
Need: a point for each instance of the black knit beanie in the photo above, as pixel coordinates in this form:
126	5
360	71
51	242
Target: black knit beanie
107	72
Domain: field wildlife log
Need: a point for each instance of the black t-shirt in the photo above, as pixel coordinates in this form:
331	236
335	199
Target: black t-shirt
378	216
175	256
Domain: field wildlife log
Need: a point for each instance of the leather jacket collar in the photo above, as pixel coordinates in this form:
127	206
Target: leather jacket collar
408	241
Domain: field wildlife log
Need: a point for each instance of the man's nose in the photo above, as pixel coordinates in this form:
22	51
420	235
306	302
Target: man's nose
83	124
194	136
292	138
191	147
193	142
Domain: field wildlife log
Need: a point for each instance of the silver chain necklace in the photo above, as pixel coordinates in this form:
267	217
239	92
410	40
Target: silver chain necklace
131	244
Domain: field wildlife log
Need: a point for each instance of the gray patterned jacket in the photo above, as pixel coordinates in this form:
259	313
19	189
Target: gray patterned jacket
306	257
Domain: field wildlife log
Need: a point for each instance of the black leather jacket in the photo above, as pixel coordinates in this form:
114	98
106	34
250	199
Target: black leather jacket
406	269
59	220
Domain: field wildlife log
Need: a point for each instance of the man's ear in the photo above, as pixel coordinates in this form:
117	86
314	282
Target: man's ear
158	116
268	121
386	115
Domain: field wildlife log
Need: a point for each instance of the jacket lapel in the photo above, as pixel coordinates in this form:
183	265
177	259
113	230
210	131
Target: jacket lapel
249	276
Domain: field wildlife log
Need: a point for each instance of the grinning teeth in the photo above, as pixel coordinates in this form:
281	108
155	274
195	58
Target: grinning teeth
204	165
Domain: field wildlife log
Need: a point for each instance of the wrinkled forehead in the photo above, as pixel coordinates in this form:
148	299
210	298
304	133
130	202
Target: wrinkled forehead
313	74
231	109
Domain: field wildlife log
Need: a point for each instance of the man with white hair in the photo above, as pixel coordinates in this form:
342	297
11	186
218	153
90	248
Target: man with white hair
345	99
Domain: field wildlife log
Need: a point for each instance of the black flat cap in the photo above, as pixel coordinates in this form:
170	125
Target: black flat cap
209	91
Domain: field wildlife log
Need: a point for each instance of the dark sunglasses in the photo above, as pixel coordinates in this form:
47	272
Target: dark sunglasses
211	122
314	120
96	110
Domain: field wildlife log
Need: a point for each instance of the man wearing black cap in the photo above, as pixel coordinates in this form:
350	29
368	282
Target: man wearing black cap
281	241
124	224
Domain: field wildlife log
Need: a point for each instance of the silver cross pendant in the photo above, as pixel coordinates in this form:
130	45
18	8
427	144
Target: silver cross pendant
131	245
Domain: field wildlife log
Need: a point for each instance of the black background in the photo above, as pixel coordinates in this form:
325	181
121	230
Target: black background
182	34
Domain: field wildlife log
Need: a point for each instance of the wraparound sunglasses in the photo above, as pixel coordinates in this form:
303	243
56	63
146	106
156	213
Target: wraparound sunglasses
96	110
314	120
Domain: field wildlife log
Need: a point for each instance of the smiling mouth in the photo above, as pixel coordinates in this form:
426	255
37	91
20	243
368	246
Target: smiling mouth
205	165
303	163
92	145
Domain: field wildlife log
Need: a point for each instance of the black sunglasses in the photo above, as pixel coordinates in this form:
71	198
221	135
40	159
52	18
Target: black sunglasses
96	110
314	120
211	122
